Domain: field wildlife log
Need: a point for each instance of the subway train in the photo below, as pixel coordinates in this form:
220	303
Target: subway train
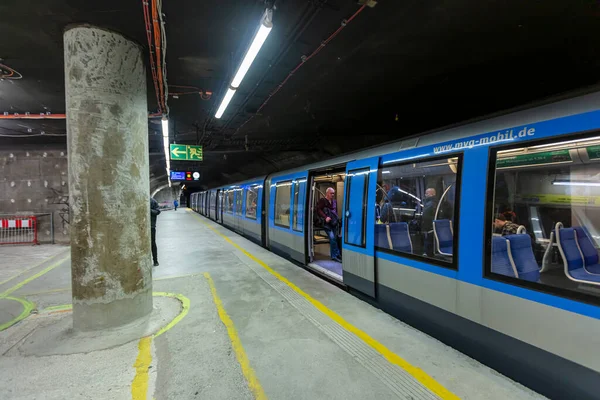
484	235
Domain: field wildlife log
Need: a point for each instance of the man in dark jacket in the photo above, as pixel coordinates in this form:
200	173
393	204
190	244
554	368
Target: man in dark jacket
154	211
429	207
327	210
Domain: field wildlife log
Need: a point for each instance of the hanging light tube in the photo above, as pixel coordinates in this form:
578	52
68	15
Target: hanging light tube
266	25
165	132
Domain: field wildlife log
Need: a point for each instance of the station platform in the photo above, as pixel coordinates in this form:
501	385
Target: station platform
239	323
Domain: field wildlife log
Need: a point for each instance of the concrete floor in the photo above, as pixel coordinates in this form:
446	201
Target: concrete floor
294	350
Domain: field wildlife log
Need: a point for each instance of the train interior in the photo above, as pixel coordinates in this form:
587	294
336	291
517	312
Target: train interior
412	200
552	192
318	244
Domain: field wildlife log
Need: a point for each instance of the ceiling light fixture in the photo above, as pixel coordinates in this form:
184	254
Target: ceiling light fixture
266	25
575	183
165	132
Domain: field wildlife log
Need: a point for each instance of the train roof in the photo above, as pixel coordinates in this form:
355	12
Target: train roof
567	104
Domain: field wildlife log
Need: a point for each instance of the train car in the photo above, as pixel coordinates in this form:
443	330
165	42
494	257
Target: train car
242	207
484	235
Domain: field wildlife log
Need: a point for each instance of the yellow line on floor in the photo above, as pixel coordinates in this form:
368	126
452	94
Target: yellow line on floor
27	307
26	281
139	386
236	343
33	266
390	356
185	307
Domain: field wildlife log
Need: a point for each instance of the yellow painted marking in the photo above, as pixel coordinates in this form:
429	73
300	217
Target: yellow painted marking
27	307
46	292
32	267
58	308
185	307
175	277
139	386
26	281
392	357
236	343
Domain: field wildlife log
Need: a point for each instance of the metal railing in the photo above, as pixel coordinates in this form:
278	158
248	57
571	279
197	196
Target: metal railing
18	229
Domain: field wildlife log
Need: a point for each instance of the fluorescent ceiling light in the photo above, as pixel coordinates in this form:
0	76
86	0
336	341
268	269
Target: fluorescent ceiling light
165	126
385	172
575	183
266	25
225	103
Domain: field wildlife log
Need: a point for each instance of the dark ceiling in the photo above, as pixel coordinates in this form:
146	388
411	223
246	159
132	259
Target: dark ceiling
398	68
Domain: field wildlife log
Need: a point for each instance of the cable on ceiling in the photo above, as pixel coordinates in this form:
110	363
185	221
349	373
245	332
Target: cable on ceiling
303	61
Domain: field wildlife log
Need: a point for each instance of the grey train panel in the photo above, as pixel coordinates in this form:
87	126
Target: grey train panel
542	371
362	266
288	243
537	324
434	289
252	229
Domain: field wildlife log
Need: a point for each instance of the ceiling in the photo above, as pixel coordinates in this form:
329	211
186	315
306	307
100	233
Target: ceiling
396	69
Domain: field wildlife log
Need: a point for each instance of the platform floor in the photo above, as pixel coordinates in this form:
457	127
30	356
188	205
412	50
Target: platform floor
257	327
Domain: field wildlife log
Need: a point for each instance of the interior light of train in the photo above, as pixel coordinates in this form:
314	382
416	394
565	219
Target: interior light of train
575	183
560	144
266	26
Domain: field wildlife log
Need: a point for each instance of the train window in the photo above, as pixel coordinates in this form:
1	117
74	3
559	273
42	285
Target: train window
356	197
238	201
228	207
251	200
416	209
283	195
299	195
543	223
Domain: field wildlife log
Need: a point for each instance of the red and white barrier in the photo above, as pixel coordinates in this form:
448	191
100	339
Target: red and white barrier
18	230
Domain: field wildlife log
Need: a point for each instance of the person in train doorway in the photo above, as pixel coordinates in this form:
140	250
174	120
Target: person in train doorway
175	204
154	211
429	206
327	210
504	226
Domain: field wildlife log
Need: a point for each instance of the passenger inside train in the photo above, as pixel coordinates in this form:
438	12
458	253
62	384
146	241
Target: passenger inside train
554	190
414	219
325	249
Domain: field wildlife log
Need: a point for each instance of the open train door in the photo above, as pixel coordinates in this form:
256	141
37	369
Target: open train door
359	225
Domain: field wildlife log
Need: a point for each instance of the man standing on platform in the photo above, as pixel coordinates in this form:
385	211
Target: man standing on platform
154	211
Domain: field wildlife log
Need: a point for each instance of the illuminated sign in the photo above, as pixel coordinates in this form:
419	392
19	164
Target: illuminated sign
178	176
186	152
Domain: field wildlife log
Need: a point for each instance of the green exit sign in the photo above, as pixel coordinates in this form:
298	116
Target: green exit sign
184	152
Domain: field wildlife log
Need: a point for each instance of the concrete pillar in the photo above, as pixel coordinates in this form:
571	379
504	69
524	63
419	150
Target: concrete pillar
107	131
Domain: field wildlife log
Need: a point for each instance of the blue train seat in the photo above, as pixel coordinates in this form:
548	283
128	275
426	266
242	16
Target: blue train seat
400	237
381	236
590	254
572	256
502	262
442	230
522	255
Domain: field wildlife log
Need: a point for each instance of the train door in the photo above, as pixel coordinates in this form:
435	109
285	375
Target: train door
218	206
220	198
325	184
359	225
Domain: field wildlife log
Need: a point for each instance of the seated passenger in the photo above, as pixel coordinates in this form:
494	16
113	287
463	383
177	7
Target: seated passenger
504	226
429	206
327	211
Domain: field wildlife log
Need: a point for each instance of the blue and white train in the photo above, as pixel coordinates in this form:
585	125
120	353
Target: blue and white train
484	235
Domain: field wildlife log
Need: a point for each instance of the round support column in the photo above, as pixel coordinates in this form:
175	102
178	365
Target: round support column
107	131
